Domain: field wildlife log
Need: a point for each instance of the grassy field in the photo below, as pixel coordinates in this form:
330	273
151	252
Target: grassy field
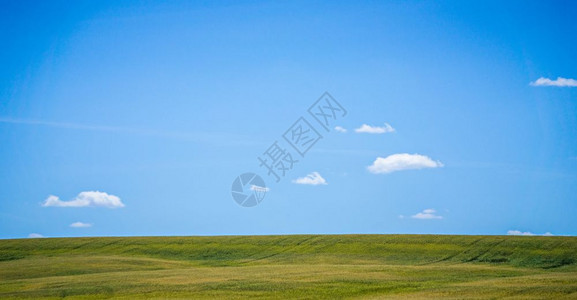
302	266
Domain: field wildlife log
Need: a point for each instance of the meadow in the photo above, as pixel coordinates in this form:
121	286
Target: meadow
297	266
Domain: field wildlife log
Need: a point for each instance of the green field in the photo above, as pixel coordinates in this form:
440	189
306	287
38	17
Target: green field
302	266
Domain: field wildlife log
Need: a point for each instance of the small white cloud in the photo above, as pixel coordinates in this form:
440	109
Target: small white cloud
35	236
517	232
402	161
427	214
85	199
401	216
375	129
259	188
80	225
340	129
560	82
313	178
526	233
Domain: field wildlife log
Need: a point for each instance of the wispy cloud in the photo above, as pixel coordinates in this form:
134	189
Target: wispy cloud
526	233
84	126
80	225
560	82
340	129
402	161
208	137
427	214
375	129
313	178
85	199
35	236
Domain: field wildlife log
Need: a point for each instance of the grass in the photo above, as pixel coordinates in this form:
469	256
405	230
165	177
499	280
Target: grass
299	266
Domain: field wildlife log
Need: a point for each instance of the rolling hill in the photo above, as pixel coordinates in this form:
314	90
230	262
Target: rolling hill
302	266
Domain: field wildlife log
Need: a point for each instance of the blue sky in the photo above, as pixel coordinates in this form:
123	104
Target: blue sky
135	117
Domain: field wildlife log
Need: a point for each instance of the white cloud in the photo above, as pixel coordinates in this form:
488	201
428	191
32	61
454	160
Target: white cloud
84	199
340	129
526	233
313	178
402	161
259	188
35	236
80	225
560	82
517	232
375	129
427	214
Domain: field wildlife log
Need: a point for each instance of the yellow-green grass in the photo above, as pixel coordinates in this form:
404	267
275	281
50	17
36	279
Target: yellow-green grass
301	266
